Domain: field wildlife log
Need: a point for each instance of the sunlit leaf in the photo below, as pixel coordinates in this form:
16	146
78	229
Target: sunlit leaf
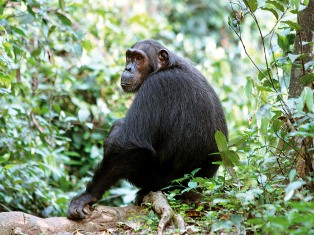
306	100
292	24
283	42
258	221
89	125
83	115
36	52
195	171
4	158
62	4
277	5
228	164
237	141
293	57
51	161
278	220
292	174
251	4
221	141
19	31
277	124
192	184
307	79
233	156
65	20
290	189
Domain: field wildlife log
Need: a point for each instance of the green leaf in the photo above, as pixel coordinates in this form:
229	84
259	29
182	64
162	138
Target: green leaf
262	74
237	219
292	174
89	125
283	42
249	86
272	11
2	28
78	49
5	91
51	30
36	52
233	156
195	171
62	4
293	57
277	5
295	4
290	189
87	45
292	25
6	79
238	141
306	100
228	156
83	115
30	10
26	19
4	158
257	221
221	141
65	20
307	79
18	31
9	166
192	184
228	164
51	161
277	124
251	4
278	220
231	172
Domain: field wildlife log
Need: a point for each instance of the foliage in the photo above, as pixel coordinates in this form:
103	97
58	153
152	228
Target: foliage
270	191
59	94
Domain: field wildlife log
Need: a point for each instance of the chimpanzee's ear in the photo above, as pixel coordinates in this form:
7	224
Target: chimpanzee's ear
163	58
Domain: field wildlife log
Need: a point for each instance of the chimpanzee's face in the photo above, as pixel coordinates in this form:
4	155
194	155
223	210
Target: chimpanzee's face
136	70
142	60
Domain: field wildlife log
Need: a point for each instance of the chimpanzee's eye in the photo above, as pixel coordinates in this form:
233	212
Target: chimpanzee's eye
139	57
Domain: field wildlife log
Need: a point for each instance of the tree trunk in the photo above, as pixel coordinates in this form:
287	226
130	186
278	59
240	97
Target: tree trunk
303	45
306	20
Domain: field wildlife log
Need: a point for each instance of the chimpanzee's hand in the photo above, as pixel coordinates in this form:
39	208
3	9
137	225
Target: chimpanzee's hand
75	210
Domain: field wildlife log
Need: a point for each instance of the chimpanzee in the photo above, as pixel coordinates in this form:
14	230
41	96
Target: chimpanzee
167	132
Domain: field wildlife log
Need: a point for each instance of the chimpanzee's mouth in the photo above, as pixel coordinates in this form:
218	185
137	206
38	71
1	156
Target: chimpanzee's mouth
128	87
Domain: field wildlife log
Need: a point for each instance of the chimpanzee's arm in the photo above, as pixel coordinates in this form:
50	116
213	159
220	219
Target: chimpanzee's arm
121	156
106	174
129	145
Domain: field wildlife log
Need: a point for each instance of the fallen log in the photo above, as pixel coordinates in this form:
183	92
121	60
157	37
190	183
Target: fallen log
100	219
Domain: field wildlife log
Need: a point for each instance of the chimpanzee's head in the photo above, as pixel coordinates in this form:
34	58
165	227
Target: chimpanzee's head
144	58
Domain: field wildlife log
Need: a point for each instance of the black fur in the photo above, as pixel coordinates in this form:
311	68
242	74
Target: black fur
167	132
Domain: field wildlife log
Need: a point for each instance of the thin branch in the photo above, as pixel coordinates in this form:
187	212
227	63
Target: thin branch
301	47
